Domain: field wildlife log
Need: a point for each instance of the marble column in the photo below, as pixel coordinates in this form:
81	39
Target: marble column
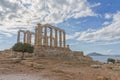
60	38
64	39
39	35
51	37
28	37
35	40
18	37
45	36
56	39
46	40
24	37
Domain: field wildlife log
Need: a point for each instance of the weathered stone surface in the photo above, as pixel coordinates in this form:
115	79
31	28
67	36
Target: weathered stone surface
50	45
16	60
38	66
27	63
96	66
102	78
61	54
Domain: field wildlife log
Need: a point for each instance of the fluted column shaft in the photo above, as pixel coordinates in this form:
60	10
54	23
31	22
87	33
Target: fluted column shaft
45	36
30	38
64	39
35	40
51	41
18	37
56	38
24	37
39	35
60	38
27	37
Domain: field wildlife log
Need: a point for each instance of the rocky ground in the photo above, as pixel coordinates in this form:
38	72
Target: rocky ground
54	69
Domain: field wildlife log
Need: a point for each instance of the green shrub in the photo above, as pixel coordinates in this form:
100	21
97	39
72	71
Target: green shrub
23	47
111	60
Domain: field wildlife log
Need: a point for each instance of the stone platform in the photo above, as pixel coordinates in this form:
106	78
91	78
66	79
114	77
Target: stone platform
60	53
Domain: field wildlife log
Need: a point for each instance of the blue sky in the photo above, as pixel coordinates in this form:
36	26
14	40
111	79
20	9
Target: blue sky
91	25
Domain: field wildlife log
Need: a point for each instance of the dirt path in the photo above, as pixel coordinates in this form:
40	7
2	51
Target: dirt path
21	77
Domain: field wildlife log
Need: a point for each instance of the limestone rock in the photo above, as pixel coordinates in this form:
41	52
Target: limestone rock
38	66
102	78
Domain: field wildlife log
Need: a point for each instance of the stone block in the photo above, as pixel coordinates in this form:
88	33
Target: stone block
38	66
96	66
102	78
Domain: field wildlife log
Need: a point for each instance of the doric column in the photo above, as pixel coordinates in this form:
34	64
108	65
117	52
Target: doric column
56	39
24	37
35	40
51	37
39	35
60	38
18	37
30	37
27	36
45	36
46	40
64	39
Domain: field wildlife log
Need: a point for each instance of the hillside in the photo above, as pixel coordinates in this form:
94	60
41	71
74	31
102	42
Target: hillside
95	54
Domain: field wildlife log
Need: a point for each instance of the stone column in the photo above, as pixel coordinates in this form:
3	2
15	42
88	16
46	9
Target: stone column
18	37
64	39
35	40
56	39
45	36
51	37
39	35
25	37
46	40
30	38
60	38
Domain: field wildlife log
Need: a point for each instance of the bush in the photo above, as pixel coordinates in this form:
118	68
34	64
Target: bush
110	60
23	47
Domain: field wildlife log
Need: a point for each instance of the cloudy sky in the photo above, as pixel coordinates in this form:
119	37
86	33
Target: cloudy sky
91	25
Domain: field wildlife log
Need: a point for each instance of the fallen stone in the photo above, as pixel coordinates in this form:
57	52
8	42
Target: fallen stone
96	66
38	66
30	64
116	68
102	78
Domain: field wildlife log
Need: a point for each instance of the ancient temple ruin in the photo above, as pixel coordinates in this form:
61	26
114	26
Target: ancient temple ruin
49	36
46	37
54	38
50	41
27	36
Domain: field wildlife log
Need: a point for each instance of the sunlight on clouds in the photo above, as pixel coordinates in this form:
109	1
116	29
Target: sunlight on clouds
17	13
49	10
76	34
108	16
107	33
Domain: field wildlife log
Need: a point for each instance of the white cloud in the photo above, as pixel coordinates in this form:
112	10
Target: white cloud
111	51
96	4
76	34
106	23
108	43
108	16
19	12
6	34
107	33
